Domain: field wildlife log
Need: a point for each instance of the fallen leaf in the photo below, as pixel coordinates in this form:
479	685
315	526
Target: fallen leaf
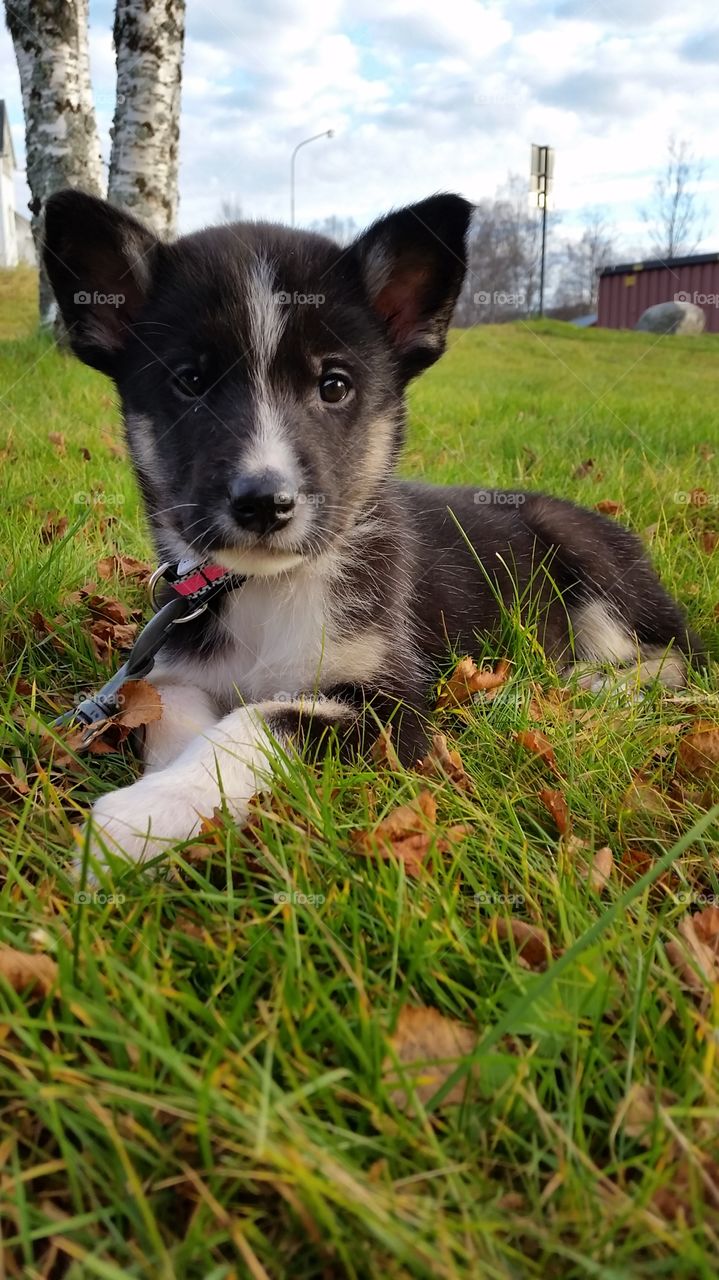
608	507
124	567
428	1046
706	453
85	454
691	952
539	745
440	762
57	440
11	787
557	808
641	797
467	679
583	469
407	833
383	752
29	972
599	872
109	637
103	606
706	927
53	527
709	541
141	704
637	1112
531	942
698	751
112	446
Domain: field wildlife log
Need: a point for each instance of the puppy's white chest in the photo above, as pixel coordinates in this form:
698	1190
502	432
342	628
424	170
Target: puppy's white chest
277	638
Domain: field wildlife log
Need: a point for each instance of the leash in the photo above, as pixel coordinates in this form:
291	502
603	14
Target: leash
193	588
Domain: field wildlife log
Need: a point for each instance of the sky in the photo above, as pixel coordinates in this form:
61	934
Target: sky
427	95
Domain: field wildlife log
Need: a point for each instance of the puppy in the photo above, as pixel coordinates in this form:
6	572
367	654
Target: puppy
262	375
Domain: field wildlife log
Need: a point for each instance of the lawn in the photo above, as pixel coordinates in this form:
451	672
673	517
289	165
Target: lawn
207	1085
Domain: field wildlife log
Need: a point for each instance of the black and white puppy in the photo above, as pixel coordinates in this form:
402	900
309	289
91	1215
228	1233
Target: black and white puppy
262	375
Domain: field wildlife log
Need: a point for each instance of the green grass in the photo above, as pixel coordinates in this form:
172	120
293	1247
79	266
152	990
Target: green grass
203	1096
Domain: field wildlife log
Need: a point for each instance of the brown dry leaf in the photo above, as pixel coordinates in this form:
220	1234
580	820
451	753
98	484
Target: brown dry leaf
109	637
11	787
26	972
706	453
637	1112
428	1046
383	753
583	469
557	808
600	871
608	507
466	680
530	940
641	797
407	833
440	762
53	527
698	751
691	952
539	745
112	446
706	927
105	606
124	567
141	705
85	454
57	440
709	541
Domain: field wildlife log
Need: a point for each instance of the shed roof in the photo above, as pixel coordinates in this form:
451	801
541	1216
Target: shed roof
660	264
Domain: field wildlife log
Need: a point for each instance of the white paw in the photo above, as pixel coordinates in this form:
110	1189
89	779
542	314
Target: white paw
145	819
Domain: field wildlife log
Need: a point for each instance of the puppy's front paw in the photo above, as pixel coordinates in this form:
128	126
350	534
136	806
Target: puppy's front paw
145	819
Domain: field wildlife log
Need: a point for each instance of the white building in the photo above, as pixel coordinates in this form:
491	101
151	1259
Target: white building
16	242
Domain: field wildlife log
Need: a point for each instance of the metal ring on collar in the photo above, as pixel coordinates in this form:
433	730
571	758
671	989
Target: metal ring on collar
154	579
195	614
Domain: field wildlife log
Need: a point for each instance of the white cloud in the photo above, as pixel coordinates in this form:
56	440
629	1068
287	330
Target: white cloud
427	95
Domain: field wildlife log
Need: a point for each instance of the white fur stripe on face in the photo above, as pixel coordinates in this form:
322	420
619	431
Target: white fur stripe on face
269	449
267	317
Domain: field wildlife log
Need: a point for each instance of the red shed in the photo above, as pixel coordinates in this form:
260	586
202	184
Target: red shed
626	291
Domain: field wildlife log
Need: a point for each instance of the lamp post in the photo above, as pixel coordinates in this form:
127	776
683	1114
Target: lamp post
542	177
327	133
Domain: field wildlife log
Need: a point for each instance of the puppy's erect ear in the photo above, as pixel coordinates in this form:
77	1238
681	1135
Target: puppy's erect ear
99	260
413	263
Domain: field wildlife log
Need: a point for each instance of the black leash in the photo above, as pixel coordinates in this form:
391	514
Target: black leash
193	588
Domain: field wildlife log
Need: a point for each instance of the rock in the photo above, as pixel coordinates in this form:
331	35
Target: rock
672	317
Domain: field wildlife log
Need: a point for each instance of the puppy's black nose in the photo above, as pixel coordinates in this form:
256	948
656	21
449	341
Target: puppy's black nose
261	503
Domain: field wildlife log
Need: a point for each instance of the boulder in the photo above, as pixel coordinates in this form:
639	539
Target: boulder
672	317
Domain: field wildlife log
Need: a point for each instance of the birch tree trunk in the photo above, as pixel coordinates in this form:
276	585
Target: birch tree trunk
61	138
149	37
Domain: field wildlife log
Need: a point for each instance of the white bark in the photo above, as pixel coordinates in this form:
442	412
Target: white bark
62	142
149	38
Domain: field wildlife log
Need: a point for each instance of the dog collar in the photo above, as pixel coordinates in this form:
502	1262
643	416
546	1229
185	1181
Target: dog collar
195	583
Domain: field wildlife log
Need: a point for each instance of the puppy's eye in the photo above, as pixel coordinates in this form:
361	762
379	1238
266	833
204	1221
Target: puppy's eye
334	386
188	381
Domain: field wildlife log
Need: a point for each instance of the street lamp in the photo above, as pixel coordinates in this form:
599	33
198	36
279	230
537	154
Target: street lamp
328	133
